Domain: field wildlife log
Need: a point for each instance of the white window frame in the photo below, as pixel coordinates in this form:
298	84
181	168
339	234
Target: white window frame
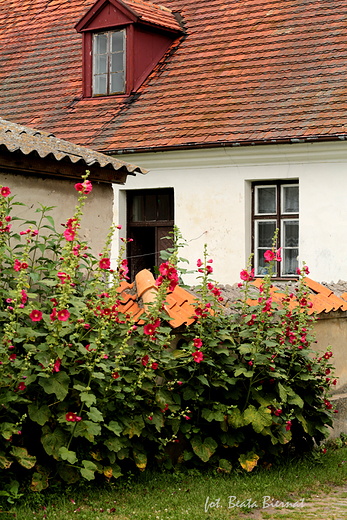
279	217
108	73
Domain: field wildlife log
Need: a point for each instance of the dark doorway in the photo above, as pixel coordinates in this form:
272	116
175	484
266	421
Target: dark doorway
150	217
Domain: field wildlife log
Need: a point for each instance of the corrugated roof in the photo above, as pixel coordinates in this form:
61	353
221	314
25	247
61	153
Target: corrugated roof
244	72
18	138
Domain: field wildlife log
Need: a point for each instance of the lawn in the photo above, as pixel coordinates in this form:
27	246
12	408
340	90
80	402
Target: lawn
194	494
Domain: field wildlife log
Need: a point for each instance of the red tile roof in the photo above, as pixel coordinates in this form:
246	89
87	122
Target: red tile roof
153	14
244	72
180	303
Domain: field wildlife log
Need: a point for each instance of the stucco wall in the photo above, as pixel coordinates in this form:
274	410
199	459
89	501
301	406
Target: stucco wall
98	211
212	190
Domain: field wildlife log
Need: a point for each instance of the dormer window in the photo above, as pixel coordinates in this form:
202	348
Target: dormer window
123	40
109	63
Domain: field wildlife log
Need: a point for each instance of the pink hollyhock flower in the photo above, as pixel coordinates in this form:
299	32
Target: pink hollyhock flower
199	263
298	271
179	383
173	285
159	281
149	329
187	417
306	269
246	276
144	360
87	187
5	191
69	234
12	357
78	419
209	269
35	315
164	269
198	356
269	255
288	425
210	261
24	296
154	366
8	218
71	417
21	386
56	365
119	227
79	187
267	306
53	314
197	343
63	315
115	375
278	255
105	263
62	277
17	265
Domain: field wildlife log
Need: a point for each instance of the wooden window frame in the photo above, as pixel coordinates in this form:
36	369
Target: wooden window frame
278	216
109	53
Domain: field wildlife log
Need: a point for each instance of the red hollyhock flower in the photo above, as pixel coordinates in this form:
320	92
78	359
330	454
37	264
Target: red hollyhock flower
288	425
154	366
69	234
56	365
198	356
53	315
144	360
115	375
105	263
197	343
5	191
12	357
24	265
24	296
79	186
21	386
269	255
71	417
164	269
35	315
17	265
63	315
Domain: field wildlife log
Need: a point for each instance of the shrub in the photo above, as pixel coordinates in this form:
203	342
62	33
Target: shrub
84	390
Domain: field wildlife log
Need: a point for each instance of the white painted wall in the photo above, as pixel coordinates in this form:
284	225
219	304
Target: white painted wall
213	201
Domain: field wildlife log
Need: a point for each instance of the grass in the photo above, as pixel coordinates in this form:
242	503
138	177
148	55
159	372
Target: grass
183	494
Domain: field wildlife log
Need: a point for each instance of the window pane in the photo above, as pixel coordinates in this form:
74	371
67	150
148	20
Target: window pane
117	41
266	231
116	62
138	208
264	235
266	200
100	43
100	84
100	64
290	261
151	207
290	233
164	207
117	82
290	199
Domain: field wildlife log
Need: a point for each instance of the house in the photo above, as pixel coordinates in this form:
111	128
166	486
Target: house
238	109
42	169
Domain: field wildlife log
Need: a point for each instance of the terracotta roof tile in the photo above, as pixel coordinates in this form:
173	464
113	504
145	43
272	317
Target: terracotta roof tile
243	72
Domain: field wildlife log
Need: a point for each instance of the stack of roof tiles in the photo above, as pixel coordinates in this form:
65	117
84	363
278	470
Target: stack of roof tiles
243	72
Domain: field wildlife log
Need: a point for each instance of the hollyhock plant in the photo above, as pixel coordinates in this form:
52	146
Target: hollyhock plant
105	263
269	255
198	356
5	191
63	315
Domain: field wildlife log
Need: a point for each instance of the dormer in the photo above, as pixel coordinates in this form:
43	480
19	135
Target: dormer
122	42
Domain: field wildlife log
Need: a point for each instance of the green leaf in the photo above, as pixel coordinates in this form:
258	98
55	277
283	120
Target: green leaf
5	463
65	454
88	398
23	458
95	415
89	469
158	420
296	400
114	444
134	427
52	441
212	415
188	394
57	384
282	392
92	427
39	415
39	482
204	450
115	427
140	457
259	418
224	466
203	380
235	418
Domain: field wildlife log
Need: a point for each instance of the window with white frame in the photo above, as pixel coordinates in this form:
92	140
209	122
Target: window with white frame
109	63
275	205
